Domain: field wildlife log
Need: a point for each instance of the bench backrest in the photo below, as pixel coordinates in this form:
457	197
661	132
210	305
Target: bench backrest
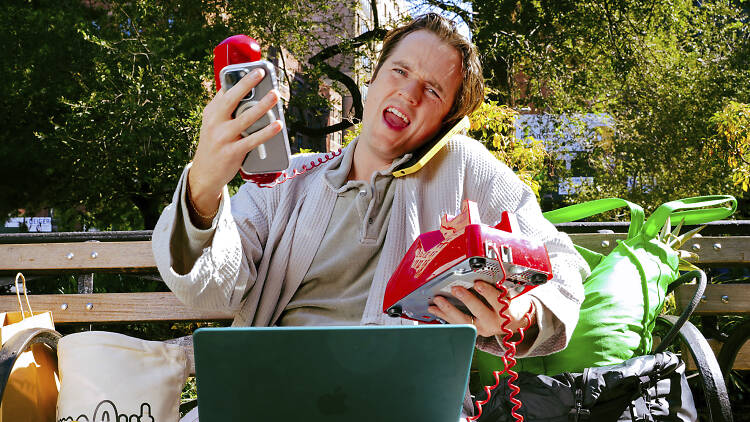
135	256
88	257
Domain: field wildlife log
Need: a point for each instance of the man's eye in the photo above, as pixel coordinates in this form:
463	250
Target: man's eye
399	71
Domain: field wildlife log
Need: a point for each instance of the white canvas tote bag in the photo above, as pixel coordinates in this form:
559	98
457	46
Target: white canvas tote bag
112	377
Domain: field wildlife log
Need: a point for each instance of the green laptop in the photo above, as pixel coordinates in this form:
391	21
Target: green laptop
367	373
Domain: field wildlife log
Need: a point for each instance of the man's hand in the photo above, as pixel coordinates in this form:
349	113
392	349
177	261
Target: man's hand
487	319
221	148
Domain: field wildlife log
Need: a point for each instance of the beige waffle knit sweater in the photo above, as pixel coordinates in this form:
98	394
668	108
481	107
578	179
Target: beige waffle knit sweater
259	249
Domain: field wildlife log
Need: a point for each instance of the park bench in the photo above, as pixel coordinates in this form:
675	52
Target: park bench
85	254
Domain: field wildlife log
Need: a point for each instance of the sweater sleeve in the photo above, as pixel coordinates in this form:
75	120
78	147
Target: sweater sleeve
558	301
206	269
561	296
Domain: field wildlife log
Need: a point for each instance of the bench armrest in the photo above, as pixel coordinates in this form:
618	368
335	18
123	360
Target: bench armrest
712	381
732	345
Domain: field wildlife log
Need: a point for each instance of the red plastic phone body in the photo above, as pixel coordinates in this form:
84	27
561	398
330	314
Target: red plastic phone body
462	251
233	50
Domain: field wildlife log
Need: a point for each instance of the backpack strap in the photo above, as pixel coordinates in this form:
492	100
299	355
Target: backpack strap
578	413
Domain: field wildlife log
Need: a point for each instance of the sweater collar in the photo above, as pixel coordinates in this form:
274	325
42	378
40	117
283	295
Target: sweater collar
336	176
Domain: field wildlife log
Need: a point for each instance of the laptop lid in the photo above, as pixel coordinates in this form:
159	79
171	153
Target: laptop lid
369	373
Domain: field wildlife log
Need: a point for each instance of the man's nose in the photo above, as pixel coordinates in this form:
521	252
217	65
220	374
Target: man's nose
412	92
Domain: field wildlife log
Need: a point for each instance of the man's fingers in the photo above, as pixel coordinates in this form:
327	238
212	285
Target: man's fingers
212	106
434	310
232	97
489	292
256	112
484	314
250	142
447	312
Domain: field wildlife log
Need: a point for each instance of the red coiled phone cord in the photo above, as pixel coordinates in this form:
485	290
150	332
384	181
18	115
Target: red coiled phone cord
509	358
269	180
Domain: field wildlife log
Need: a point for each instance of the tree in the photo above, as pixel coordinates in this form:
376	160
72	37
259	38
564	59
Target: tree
676	71
732	141
42	51
104	130
493	125
661	70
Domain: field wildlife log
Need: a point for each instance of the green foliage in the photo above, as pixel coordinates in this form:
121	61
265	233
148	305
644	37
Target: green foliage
189	391
41	52
731	142
102	106
352	134
132	132
493	125
660	69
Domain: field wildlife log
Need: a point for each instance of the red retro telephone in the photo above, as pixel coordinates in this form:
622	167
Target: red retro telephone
461	251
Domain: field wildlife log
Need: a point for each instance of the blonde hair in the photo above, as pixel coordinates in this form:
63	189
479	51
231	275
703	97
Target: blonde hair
471	91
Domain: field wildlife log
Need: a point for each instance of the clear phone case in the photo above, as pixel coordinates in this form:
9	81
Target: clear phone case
272	156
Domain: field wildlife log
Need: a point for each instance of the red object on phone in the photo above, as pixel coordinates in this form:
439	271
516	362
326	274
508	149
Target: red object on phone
462	251
233	50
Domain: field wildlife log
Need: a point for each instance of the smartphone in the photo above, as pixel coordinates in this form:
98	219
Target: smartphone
274	154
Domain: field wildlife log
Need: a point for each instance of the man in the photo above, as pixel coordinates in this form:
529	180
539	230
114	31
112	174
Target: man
319	249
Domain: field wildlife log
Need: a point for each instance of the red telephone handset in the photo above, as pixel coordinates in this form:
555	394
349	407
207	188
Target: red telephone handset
243	49
233	50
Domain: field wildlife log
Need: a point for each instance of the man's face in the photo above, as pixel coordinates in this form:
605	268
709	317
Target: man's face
410	96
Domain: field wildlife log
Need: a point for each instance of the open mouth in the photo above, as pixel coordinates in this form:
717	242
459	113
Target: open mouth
395	119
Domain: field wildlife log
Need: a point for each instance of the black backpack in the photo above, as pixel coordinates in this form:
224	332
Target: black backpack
644	388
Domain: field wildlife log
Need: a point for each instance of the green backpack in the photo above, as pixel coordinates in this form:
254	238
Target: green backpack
626	289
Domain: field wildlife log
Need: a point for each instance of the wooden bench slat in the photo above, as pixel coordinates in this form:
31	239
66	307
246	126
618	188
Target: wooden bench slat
136	255
737	298
710	249
719	249
595	241
113	307
77	256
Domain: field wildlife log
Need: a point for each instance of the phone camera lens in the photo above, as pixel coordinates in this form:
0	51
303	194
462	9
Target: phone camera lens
231	78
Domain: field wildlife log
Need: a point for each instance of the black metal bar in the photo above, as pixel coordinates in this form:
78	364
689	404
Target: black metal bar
698	275
62	237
